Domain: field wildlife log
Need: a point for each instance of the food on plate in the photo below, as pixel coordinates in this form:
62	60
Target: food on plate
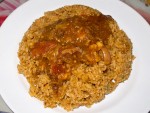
74	56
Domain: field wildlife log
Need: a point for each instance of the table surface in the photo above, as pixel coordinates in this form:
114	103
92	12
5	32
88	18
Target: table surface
7	6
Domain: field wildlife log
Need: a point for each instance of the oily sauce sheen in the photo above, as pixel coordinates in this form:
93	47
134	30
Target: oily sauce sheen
69	42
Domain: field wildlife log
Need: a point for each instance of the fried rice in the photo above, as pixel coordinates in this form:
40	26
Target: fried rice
91	75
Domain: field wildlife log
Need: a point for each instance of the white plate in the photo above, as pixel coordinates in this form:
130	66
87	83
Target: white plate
132	96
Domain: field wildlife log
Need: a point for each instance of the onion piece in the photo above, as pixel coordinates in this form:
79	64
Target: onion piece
71	50
106	55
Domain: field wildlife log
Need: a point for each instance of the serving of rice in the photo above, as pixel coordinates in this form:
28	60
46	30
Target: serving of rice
87	81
